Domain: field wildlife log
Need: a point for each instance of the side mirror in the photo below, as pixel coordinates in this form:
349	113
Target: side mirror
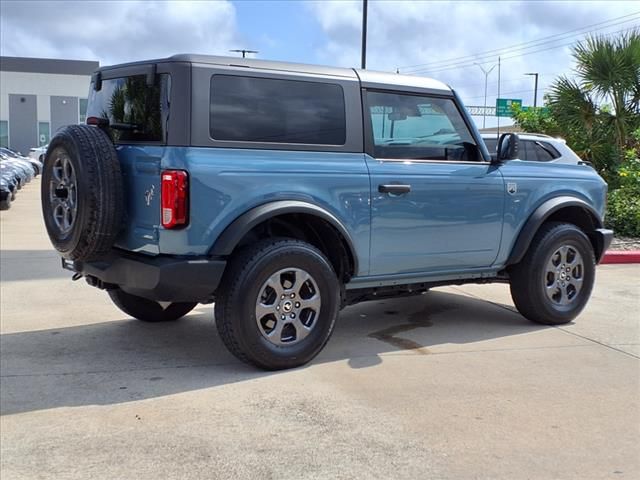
508	147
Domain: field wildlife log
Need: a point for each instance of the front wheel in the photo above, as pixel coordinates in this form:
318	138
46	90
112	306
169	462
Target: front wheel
553	282
148	310
278	304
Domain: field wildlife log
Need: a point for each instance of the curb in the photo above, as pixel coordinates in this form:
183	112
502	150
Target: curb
631	256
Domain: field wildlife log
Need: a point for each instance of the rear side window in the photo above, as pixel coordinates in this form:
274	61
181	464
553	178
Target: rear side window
251	109
136	111
538	151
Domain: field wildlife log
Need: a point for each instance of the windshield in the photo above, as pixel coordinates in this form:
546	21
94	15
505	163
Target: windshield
136	111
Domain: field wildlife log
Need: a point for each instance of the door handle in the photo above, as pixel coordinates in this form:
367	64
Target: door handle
394	189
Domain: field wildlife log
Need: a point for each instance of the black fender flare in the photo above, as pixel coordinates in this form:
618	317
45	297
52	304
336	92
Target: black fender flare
540	215
236	230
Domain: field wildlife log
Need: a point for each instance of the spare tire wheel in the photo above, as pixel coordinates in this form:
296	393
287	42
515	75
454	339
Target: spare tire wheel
82	193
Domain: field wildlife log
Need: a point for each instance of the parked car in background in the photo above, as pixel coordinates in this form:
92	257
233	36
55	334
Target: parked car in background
6	195
38	153
538	147
35	164
22	170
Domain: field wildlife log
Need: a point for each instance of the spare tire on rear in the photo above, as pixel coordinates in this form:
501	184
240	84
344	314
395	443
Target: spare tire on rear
82	193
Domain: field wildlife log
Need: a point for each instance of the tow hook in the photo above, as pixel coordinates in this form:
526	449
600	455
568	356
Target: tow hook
76	276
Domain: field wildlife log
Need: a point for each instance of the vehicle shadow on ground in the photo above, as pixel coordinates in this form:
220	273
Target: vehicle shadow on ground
126	360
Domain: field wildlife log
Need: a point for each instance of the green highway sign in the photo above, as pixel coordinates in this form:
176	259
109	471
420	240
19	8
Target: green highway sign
541	109
504	105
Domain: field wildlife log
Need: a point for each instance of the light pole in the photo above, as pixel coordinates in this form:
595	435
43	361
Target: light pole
535	90
243	51
486	77
363	59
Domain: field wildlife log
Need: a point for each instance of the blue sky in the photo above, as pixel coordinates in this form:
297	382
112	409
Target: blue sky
421	37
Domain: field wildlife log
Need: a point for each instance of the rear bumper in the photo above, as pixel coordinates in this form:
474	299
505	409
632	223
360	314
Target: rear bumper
602	240
162	278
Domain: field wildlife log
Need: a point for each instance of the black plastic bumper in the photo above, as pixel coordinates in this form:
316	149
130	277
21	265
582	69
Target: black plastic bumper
602	240
162	278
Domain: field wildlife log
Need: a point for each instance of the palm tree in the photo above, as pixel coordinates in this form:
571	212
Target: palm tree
603	104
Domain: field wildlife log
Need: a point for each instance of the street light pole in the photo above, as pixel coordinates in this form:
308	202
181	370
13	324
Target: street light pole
486	78
363	62
535	89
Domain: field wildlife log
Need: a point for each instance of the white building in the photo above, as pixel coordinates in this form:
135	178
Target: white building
40	95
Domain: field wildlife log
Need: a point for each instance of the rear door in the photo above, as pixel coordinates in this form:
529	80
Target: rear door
436	204
137	108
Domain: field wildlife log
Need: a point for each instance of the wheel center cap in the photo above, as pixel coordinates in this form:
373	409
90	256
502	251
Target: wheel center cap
287	306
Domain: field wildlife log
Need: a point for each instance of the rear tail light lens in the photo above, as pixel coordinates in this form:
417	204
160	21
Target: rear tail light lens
175	198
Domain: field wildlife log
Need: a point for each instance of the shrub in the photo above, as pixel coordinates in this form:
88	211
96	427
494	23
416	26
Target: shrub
623	209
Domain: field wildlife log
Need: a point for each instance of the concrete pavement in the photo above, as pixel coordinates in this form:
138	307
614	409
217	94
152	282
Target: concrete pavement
453	384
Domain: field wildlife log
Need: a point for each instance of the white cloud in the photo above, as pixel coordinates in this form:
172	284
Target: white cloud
115	32
404	33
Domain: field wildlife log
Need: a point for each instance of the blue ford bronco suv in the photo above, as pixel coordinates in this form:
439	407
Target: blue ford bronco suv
284	192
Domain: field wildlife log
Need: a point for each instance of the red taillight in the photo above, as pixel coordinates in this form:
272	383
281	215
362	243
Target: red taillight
174	198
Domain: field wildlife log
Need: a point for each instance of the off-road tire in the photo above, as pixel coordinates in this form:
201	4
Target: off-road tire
148	310
99	193
528	278
244	277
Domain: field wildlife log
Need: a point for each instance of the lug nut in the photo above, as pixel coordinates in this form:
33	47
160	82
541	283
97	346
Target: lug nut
282	296
293	295
297	304
277	307
282	317
293	315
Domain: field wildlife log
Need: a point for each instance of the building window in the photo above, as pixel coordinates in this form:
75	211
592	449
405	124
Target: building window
83	109
4	133
43	133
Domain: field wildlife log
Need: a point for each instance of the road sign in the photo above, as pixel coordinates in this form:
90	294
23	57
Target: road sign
541	109
504	106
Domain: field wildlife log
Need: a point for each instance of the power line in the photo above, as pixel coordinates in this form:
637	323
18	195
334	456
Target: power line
531	43
469	64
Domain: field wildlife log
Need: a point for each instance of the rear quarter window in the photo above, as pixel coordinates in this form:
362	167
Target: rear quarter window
137	111
253	109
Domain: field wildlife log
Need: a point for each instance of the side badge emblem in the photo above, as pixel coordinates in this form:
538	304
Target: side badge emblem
148	196
512	188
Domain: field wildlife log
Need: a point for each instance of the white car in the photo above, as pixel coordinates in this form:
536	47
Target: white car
37	153
538	147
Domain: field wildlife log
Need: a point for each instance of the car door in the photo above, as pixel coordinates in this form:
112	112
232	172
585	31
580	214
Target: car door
437	205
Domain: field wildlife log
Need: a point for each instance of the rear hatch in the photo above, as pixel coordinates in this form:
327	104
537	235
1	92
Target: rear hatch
134	109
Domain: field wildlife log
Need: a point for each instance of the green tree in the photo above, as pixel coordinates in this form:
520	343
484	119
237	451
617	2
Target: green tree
596	111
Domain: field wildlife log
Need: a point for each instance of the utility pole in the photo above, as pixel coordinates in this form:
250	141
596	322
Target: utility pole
486	77
243	51
499	68
363	63
535	89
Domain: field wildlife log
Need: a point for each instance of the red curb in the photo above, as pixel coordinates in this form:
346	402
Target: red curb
630	256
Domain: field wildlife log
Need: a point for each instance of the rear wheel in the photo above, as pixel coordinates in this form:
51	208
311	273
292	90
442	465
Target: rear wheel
553	282
148	310
278	304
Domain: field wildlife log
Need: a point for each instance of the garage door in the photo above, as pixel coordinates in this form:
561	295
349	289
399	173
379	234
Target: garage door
64	111
23	123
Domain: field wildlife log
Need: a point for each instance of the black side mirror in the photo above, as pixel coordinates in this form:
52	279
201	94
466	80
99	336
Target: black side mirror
508	147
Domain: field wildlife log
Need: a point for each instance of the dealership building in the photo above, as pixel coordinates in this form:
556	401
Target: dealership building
38	96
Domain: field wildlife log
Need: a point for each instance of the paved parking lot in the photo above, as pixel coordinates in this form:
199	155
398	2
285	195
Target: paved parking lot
451	384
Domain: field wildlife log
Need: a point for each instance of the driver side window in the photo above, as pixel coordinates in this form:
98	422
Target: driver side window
419	128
